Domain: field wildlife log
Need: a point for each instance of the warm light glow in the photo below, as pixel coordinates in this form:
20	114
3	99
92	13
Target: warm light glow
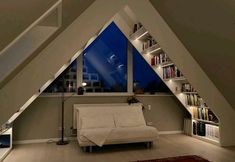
84	84
142	35
155	50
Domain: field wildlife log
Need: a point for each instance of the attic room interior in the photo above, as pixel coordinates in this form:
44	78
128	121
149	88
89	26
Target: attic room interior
127	80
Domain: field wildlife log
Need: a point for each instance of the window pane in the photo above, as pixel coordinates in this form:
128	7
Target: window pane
105	62
66	81
144	77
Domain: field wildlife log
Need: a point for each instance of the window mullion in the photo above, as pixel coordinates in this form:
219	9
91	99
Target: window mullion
79	70
129	68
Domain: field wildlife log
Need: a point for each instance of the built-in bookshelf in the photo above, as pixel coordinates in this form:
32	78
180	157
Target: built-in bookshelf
204	123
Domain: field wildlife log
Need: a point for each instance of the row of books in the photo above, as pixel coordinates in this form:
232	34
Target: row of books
207	130
199	128
204	114
186	87
148	43
212	131
194	100
171	72
159	59
137	26
200	113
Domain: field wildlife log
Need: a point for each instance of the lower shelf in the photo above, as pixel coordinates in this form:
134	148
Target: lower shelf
206	139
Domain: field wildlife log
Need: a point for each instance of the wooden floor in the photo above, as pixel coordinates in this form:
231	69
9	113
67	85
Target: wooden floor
167	146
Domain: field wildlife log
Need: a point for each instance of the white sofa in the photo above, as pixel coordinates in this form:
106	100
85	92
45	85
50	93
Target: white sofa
102	124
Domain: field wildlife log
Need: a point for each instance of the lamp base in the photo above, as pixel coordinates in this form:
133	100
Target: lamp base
62	142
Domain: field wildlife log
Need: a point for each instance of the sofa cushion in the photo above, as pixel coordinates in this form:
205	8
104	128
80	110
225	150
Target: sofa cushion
97	122
132	117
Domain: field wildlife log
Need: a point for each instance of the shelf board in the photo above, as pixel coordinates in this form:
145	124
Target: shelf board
206	139
207	107
176	79
168	63
206	121
152	50
139	34
189	92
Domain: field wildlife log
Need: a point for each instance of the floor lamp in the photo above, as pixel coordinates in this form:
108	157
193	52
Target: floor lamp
80	91
62	141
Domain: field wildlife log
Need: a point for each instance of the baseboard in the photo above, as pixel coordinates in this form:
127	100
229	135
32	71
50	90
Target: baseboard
171	132
49	140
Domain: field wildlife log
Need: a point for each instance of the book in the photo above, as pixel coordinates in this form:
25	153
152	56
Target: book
212	132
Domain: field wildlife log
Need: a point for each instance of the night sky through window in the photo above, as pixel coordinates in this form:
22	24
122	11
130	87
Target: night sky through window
105	68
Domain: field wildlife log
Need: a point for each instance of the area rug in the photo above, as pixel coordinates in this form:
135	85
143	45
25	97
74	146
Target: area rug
190	158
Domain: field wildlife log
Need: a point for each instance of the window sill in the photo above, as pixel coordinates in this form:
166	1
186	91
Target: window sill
104	94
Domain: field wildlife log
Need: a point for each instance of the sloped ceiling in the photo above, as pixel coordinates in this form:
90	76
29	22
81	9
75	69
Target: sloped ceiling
16	16
207	29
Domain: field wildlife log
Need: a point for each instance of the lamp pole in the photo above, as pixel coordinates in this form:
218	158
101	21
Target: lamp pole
62	141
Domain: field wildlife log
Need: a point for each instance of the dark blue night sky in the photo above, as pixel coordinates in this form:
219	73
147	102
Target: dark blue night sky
105	67
113	42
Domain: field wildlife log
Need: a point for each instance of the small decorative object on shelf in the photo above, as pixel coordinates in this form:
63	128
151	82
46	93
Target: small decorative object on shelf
132	99
137	27
80	91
